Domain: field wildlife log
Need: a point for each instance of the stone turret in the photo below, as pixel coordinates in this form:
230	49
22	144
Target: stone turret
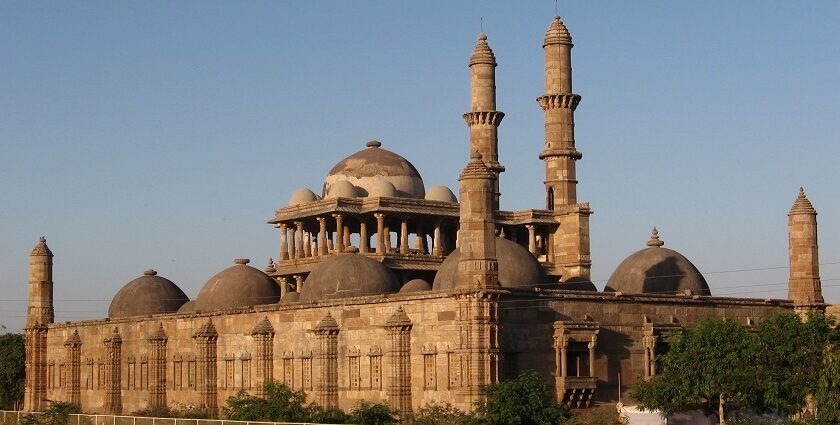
477	267
40	310
570	251
804	287
483	118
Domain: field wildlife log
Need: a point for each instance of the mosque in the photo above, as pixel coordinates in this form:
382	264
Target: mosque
385	290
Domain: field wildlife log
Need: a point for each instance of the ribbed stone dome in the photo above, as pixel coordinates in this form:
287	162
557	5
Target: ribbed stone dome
416	285
347	275
362	168
303	196
657	270
441	194
517	268
148	294
237	286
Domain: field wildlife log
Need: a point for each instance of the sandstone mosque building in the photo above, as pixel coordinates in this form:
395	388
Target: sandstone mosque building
385	290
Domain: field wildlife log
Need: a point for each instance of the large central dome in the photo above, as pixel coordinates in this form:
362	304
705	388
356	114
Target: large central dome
367	169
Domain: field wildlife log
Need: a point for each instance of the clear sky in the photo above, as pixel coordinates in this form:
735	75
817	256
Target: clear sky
164	134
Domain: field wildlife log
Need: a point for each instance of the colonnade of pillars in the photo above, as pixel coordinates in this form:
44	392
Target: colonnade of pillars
300	239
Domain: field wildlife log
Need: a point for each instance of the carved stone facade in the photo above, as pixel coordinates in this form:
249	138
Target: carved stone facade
360	304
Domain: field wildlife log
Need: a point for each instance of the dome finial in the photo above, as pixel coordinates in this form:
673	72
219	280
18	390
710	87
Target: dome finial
654	239
802	205
241	261
557	33
373	144
149	272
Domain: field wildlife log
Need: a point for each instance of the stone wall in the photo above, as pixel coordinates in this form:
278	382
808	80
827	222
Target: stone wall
361	362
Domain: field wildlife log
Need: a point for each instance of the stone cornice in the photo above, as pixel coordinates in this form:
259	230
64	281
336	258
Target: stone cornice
561	152
326	207
559	101
493	118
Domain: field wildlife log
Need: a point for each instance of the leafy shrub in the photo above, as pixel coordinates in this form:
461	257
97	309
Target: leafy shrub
441	414
372	414
525	400
318	414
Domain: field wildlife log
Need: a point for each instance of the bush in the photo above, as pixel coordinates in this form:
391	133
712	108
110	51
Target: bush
525	400
180	411
441	414
318	414
372	414
281	404
56	413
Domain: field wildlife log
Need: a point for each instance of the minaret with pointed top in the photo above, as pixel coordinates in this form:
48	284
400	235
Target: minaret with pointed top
40	311
559	104
478	267
483	118
569	253
804	287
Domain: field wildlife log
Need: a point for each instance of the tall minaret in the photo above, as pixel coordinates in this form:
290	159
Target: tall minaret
559	104
483	118
569	245
477	267
804	287
40	310
39	314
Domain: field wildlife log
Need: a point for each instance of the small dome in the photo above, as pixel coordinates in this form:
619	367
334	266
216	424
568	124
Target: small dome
441	194
188	307
416	285
557	33
362	168
517	268
148	294
237	286
657	270
577	284
347	275
290	298
342	189
381	188
303	196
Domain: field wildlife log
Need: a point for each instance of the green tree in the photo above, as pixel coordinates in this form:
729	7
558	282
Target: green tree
12	357
827	393
709	367
372	414
791	353
441	414
281	404
525	400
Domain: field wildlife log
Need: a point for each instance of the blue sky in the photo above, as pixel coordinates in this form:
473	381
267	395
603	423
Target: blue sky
164	134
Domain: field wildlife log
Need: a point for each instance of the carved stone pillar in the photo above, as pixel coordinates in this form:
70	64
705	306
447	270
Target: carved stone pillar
113	377
380	233
205	339
290	241
299	252
322	237
399	381
74	365
263	334
339	233
326	390
284	252
420	242
437	241
35	383
157	369
364	239
592	343
346	236
404	237
532	239
284	285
